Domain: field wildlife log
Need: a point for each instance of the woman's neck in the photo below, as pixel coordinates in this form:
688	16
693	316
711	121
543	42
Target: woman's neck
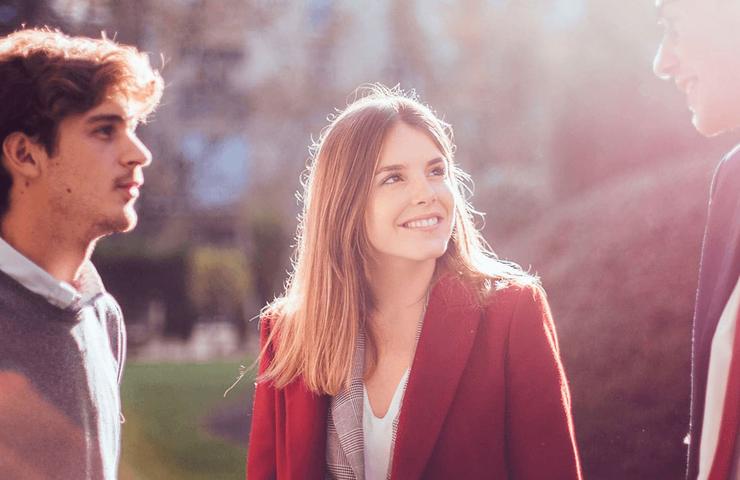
400	289
399	284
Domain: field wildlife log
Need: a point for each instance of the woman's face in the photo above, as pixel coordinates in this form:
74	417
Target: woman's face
411	206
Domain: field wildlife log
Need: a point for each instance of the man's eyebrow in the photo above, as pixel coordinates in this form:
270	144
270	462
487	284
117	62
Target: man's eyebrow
397	167
108	117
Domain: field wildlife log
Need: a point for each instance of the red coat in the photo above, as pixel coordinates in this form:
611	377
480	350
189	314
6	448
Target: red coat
487	398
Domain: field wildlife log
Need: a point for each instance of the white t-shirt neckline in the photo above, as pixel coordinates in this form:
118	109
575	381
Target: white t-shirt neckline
378	432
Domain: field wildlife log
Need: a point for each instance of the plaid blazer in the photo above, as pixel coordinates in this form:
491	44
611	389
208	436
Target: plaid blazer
345	456
486	398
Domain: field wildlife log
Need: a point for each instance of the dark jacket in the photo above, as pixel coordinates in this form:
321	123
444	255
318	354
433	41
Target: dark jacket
718	274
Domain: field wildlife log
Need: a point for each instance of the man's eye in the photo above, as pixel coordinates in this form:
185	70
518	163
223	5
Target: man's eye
669	29
105	131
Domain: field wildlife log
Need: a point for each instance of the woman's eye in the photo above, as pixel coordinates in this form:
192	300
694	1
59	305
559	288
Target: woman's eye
391	179
439	171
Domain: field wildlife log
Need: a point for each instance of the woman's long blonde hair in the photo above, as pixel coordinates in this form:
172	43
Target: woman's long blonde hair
315	324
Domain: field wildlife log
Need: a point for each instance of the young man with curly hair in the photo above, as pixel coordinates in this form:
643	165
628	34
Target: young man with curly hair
70	172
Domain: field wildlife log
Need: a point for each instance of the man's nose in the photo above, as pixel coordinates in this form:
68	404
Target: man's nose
138	153
665	62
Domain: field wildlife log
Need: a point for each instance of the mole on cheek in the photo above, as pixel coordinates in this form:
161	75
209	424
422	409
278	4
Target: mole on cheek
69	190
28	184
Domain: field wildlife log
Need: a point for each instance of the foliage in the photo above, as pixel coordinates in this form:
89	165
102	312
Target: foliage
268	250
219	280
620	267
136	276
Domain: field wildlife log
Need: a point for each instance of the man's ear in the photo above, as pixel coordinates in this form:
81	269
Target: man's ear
21	155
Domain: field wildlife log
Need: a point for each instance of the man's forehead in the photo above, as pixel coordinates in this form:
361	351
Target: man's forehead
115	107
661	5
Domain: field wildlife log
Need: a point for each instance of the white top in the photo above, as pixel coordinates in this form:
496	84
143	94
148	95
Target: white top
378	433
57	292
719	369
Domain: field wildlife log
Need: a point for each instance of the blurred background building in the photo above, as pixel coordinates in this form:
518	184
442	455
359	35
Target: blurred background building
586	166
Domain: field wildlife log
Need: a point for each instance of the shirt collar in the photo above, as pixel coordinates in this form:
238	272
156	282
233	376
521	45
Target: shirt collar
39	281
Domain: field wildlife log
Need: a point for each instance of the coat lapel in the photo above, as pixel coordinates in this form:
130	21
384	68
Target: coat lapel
720	273
447	337
303	427
346	420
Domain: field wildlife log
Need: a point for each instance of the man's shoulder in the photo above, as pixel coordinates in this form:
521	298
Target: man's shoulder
727	175
17	302
730	163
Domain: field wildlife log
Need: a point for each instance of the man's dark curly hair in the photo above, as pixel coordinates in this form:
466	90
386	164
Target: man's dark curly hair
46	76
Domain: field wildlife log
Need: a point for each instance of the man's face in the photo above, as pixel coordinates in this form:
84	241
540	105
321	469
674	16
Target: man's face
94	176
700	51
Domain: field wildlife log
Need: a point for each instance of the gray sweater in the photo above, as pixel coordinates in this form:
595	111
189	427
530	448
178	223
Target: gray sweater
60	410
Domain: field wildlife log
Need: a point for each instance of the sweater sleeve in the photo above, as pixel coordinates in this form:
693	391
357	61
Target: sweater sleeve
261	458
541	440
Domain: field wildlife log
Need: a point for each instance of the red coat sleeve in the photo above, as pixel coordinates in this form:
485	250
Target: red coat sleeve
261	458
541	440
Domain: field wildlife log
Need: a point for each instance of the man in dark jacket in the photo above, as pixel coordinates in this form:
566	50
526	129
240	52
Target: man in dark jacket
700	51
70	171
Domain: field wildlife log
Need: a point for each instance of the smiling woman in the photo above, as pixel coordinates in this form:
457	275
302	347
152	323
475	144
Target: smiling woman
411	205
403	347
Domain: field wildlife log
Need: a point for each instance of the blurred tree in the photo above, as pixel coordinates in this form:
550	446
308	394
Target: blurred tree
268	248
219	284
140	278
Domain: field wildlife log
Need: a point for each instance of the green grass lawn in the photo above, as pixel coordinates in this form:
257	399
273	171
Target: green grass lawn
164	436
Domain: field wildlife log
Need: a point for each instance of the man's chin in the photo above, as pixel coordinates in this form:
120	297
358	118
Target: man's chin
119	224
713	125
131	219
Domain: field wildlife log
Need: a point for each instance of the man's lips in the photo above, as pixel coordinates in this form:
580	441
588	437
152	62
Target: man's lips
686	84
131	187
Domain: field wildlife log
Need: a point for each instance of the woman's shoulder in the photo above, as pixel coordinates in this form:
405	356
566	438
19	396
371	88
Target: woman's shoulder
494	294
509	309
515	305
269	320
271	316
516	289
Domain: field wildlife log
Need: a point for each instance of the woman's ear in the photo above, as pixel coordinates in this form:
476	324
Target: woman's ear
21	155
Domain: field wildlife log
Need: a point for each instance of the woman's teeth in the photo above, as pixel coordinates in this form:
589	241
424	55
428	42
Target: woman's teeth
427	222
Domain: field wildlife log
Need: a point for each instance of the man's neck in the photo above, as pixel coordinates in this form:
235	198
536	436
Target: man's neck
59	251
